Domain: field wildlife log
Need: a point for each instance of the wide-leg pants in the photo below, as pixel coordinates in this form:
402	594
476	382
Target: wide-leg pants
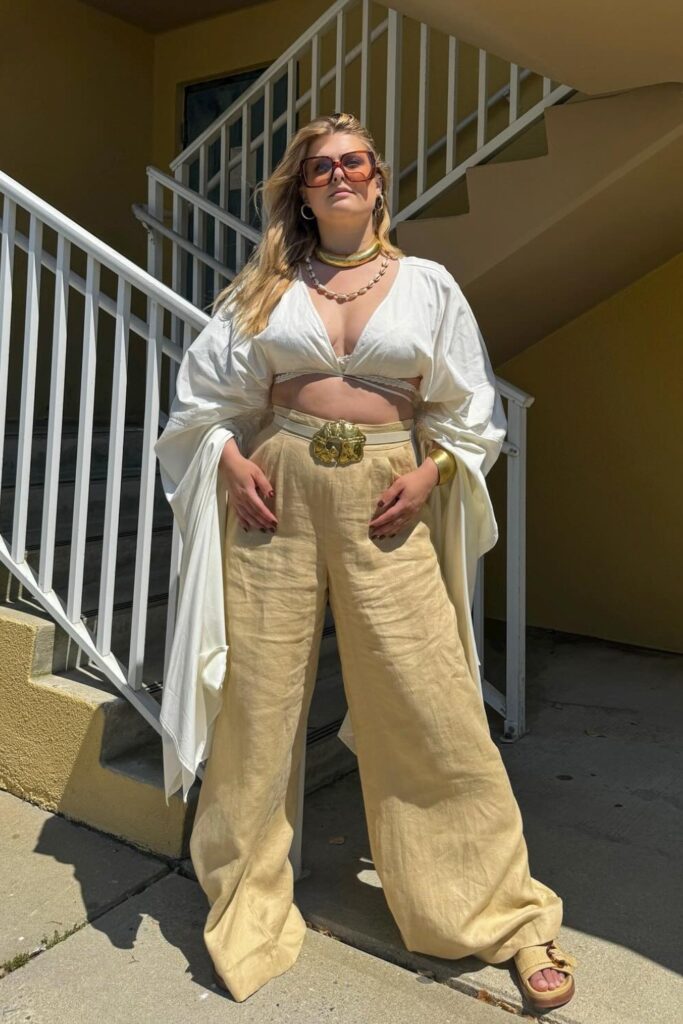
444	828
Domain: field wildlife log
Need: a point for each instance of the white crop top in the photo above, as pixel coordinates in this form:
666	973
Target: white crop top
423	327
392	385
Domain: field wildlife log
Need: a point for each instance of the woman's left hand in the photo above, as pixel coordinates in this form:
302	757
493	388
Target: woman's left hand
401	502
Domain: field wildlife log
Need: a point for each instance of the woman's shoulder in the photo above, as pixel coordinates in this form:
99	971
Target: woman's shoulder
430	271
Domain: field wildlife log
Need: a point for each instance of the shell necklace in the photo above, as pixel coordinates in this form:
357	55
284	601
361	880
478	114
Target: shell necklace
346	296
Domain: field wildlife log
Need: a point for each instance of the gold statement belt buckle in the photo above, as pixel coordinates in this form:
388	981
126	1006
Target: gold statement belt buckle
338	441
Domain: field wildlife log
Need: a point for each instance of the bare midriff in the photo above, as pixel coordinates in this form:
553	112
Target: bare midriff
334	398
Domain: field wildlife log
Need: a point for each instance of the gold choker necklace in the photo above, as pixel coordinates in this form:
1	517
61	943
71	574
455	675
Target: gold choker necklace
354	259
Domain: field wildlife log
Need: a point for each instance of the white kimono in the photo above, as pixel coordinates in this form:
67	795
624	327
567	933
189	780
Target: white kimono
423	326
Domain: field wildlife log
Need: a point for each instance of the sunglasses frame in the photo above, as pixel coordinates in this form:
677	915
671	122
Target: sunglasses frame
338	163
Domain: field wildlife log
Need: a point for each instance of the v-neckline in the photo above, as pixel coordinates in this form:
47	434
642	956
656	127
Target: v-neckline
345	359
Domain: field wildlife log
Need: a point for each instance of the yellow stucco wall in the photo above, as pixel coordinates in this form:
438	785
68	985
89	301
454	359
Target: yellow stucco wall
76	113
604	488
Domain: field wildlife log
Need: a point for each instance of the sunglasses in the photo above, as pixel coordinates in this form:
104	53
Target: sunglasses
358	165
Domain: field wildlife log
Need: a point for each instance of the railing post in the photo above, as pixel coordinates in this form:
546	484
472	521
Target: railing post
315	76
53	451
340	63
452	103
84	448
28	388
199	231
155	251
423	110
392	151
482	99
138	632
515	716
291	98
241	250
9	213
105	604
515	80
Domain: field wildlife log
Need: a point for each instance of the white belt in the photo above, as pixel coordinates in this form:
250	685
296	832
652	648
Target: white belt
371	437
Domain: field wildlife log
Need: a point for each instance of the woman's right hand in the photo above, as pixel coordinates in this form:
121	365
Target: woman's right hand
244	480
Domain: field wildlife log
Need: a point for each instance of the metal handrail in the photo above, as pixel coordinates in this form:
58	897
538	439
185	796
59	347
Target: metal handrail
124	672
99	250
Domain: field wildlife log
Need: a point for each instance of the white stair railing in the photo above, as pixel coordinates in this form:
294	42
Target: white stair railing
91	305
488	101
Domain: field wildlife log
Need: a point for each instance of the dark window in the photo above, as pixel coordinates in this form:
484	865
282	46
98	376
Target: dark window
205	101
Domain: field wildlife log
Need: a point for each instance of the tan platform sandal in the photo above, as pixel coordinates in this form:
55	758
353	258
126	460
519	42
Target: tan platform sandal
530	959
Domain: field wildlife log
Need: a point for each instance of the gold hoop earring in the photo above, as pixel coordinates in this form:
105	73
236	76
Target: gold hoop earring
303	214
381	203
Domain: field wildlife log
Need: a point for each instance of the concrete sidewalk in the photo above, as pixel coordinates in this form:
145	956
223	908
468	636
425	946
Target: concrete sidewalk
92	927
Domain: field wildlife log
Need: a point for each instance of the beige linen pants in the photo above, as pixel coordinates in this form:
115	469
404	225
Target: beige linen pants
444	828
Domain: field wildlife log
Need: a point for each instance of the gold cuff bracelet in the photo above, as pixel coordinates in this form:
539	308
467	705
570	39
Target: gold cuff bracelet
446	464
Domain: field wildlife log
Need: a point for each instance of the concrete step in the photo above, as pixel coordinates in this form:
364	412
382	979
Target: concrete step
85	737
59	653
60	731
125	575
99	449
154	638
128	516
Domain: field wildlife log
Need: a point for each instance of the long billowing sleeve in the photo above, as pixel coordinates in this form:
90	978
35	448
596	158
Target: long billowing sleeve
222	391
462	410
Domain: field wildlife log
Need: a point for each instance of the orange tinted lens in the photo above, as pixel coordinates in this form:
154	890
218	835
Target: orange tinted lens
317	170
357	166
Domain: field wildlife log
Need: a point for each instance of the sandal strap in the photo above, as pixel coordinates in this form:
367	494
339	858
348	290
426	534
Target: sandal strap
530	959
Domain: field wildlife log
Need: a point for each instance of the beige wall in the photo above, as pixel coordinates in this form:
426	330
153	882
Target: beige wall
605	490
76	113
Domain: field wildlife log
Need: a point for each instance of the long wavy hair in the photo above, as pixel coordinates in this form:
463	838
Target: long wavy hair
287	237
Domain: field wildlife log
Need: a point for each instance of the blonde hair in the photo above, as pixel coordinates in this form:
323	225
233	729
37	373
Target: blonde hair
287	237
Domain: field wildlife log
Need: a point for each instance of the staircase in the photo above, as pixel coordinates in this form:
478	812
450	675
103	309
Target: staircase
357	55
546	237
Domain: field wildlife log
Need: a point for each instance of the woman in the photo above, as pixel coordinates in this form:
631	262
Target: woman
330	435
